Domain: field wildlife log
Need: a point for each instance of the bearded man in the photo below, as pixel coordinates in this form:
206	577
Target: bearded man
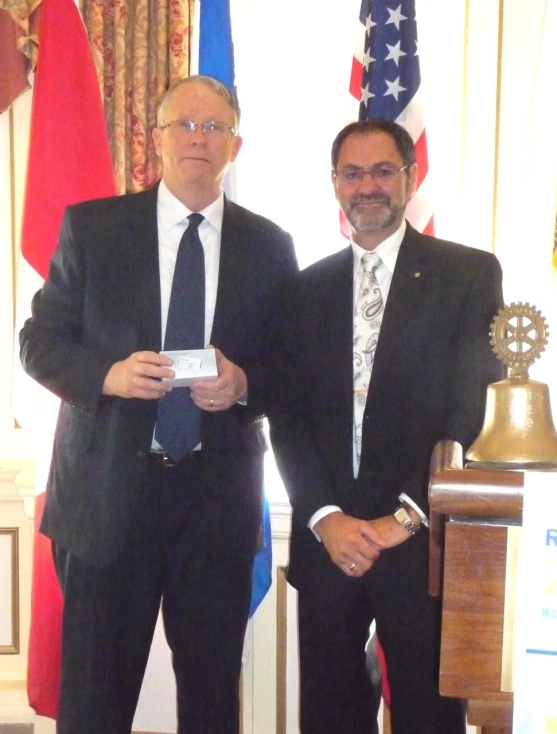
383	351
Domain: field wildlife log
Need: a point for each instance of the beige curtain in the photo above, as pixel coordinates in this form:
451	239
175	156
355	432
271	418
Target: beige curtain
23	13
139	48
18	47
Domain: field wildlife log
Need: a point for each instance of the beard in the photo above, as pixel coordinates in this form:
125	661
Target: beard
375	219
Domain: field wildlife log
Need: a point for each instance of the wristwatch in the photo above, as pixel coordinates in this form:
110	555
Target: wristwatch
403	518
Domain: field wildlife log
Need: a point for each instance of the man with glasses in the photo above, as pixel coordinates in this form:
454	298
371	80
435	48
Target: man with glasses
156	493
383	351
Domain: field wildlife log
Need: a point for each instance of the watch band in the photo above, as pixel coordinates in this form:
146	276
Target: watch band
403	518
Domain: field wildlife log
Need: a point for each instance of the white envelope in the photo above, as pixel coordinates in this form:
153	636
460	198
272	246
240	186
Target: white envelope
192	364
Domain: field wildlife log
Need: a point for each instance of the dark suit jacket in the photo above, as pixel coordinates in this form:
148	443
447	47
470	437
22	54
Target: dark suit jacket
431	369
101	302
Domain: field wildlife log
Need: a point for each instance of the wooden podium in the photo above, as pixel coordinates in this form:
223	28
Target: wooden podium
471	513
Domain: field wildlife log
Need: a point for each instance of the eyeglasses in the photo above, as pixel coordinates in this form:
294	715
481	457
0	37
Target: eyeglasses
382	173
212	127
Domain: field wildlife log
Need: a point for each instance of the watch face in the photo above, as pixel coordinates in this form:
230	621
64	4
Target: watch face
404	519
401	515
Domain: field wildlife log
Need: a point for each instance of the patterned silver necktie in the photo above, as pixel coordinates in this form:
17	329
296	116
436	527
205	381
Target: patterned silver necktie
368	313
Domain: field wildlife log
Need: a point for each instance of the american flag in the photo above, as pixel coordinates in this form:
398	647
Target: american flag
385	83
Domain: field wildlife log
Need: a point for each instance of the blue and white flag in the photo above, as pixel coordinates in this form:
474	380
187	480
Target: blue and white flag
216	50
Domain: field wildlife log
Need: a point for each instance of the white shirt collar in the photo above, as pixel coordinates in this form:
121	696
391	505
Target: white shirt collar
387	250
171	211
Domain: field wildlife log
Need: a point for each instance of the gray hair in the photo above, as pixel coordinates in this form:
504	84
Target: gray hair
220	88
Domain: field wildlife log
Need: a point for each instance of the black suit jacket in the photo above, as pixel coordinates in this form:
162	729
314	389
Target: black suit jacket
431	369
100	303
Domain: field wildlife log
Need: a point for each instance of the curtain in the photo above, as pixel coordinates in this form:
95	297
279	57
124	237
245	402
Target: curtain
19	45
140	47
23	13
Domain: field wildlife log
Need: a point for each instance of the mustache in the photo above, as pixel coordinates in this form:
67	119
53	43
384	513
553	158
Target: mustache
377	196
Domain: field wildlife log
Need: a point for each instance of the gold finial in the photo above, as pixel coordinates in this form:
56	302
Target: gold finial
519	335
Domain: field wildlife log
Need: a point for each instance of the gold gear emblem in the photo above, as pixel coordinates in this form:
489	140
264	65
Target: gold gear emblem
519	335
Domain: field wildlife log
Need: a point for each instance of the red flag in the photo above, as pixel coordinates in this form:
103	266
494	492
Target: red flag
69	157
43	680
69	161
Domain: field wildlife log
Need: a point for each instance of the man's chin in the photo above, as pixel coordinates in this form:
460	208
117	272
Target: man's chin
195	177
375	219
370	224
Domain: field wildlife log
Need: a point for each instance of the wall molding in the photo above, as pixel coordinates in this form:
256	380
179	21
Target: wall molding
9	562
17	483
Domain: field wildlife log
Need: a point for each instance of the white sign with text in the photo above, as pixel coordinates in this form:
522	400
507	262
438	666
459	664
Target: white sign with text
535	646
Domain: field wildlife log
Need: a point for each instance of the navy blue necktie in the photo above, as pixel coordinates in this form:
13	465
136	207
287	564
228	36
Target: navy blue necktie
178	418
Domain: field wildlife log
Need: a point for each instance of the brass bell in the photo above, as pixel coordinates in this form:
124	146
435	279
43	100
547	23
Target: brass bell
518	430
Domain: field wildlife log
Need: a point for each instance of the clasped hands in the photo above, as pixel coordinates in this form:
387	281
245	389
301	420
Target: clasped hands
353	544
141	374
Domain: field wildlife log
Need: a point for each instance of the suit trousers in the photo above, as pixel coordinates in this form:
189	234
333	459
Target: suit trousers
110	614
335	612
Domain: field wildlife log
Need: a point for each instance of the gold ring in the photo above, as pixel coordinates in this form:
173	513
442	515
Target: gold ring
352	567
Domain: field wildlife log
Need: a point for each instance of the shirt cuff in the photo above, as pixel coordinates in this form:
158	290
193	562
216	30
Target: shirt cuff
319	515
405	498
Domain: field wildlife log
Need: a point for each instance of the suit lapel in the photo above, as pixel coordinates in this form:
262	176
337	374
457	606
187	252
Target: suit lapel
144	267
236	266
338	306
409	279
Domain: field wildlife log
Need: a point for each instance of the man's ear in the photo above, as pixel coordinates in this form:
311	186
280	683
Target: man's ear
412	180
156	134
236	147
334	182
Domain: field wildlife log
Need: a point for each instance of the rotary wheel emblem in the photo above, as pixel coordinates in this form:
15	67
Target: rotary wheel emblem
519	335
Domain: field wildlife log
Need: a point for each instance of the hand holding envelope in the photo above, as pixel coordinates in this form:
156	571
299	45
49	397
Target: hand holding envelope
216	383
192	364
